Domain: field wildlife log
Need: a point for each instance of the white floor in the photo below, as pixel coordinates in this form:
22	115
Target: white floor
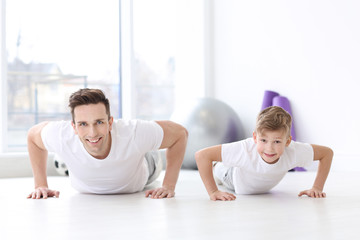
190	215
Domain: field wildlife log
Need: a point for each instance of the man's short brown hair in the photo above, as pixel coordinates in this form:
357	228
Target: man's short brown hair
88	96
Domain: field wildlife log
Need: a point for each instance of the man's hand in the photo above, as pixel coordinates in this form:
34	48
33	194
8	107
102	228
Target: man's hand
160	193
313	192
43	192
223	196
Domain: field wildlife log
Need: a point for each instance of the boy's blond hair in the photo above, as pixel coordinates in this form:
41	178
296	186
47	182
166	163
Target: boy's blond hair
273	118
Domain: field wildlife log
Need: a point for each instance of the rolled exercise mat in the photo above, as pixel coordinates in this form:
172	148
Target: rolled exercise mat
283	102
268	99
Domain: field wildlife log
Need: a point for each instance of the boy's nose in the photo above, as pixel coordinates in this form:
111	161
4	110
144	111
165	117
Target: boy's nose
270	146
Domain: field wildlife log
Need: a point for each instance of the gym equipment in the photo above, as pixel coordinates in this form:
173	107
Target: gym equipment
209	122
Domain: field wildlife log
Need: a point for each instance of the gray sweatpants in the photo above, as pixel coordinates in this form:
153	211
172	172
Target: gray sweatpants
224	175
154	161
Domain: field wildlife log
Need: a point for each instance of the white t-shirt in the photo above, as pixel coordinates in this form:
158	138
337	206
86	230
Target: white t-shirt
124	170
252	175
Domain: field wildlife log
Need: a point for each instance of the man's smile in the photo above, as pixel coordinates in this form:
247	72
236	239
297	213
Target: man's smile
96	140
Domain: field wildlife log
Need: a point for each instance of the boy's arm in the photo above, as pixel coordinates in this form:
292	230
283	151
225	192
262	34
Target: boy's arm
324	155
38	159
204	160
174	140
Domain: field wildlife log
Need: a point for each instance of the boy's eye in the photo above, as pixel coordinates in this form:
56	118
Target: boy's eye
263	140
277	141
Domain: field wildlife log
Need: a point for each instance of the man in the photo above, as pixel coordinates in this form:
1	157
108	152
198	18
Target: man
103	155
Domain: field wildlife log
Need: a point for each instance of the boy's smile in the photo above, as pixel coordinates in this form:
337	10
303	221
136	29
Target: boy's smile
270	144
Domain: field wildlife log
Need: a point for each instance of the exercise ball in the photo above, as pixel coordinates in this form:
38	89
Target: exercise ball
209	122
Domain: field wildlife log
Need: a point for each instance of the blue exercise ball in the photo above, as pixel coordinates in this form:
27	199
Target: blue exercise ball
209	122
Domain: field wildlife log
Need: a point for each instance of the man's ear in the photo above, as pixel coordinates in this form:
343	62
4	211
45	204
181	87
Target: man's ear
288	141
254	137
74	127
111	120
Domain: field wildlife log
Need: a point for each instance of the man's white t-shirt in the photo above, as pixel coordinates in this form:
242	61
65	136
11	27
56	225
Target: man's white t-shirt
252	175
124	170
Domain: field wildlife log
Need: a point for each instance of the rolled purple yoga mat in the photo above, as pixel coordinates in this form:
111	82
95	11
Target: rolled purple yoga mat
272	98
283	102
268	99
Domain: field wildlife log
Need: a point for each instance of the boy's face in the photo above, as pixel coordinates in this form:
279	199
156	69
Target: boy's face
93	127
271	144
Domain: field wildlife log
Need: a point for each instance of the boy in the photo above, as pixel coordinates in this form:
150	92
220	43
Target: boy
103	155
255	165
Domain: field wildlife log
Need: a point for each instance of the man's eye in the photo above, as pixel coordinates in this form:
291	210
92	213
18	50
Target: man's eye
100	122
82	124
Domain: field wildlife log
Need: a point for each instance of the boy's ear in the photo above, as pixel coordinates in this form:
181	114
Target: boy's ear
254	136
288	141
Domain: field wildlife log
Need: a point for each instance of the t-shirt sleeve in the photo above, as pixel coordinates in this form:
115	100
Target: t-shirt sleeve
148	135
234	154
51	135
304	153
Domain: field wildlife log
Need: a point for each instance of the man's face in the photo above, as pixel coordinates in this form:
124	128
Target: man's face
271	144
93	127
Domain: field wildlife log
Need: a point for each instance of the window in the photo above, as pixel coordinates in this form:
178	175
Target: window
54	48
167	56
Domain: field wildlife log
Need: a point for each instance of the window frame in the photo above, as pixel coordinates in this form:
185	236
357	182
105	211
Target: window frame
3	81
126	85
4	149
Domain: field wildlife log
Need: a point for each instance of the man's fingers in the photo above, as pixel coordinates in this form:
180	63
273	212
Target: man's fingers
44	194
53	193
170	195
159	193
147	193
301	193
38	194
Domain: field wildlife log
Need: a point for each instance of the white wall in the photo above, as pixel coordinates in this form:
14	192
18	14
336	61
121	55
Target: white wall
18	165
306	50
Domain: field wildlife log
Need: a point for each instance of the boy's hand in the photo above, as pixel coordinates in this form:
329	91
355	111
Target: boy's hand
43	192
313	192
160	193
223	196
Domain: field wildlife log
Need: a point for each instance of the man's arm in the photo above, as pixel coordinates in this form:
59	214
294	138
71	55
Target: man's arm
325	156
38	159
174	140
204	160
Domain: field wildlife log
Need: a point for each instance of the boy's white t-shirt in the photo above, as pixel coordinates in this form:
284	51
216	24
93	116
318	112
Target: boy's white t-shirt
124	170
252	175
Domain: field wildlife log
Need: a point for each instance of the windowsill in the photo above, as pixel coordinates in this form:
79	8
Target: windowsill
17	164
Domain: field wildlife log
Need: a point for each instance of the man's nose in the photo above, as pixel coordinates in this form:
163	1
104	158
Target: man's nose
92	131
